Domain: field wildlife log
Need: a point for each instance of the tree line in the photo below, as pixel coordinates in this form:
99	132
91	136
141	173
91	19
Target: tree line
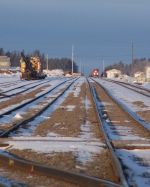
130	69
53	63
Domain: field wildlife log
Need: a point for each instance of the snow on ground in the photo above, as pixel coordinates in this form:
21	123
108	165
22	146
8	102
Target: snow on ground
5	182
55	72
68	108
4	77
27	84
45	114
83	149
125	78
77	88
137	166
130	100
35	104
146	85
12	107
127	96
119	131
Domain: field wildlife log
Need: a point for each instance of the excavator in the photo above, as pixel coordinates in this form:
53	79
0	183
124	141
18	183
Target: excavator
31	68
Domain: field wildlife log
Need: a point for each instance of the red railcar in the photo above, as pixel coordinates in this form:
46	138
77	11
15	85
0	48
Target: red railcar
95	73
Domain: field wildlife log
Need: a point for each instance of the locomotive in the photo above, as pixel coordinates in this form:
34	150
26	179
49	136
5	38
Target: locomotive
31	68
95	73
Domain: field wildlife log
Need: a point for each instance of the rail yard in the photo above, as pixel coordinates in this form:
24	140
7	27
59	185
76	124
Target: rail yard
74	132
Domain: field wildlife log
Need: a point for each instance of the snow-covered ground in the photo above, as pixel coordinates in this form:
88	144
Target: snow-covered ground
146	85
6	76
137	164
35	104
82	148
55	72
127	96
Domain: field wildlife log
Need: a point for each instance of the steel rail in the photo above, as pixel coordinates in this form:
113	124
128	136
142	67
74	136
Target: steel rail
129	87
117	165
4	83
15	162
32	100
131	113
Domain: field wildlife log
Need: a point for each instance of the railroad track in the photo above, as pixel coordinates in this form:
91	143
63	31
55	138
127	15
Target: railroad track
9	111
133	113
15	162
108	122
37	99
124	133
6	84
5	94
81	180
138	89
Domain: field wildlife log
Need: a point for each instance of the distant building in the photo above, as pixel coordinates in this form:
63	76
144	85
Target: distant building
147	73
4	62
113	73
139	77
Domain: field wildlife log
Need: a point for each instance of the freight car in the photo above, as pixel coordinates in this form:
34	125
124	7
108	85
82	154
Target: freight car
95	73
31	68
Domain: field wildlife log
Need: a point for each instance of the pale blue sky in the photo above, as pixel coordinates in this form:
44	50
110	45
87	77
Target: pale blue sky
97	28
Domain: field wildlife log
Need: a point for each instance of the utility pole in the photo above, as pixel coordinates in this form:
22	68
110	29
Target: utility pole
47	62
132	52
132	56
103	66
72	57
80	68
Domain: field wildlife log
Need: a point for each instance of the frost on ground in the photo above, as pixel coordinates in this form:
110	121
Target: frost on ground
137	166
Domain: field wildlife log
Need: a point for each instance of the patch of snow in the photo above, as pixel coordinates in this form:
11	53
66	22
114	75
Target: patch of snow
137	164
28	131
132	101
77	87
52	134
87	103
68	108
119	132
147	85
86	131
84	151
55	72
17	116
126	95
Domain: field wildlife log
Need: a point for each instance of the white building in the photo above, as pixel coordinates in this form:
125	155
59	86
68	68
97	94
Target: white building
113	73
4	62
147	73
